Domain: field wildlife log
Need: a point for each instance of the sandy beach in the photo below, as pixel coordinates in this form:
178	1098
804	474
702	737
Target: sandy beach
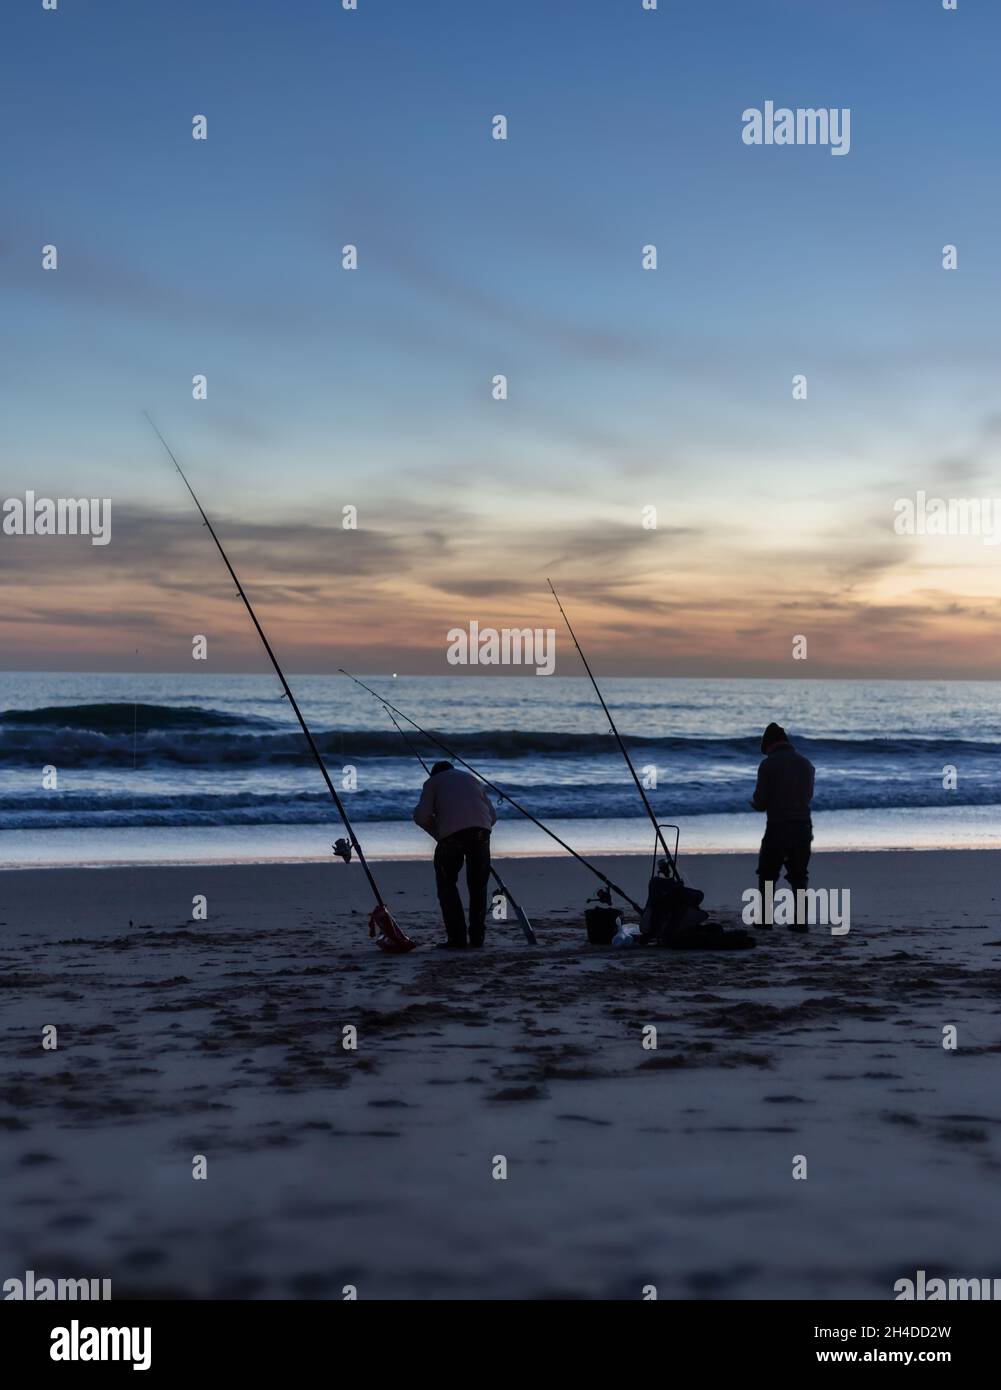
375	1167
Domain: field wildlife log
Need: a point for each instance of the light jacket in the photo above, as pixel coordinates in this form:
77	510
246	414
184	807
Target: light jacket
452	801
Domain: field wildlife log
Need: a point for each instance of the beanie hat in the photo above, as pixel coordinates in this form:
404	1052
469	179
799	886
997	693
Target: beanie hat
773	734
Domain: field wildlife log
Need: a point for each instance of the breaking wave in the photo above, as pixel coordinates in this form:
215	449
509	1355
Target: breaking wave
124	734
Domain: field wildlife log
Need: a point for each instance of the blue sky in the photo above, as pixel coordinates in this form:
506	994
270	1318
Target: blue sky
626	388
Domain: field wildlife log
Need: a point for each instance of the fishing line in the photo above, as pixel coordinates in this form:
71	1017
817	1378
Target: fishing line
504	796
622	747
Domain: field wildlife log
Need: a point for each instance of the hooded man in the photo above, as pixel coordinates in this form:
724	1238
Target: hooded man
456	811
784	791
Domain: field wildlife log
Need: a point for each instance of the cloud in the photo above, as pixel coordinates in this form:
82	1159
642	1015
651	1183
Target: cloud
447	289
118	285
487	588
681	600
625	548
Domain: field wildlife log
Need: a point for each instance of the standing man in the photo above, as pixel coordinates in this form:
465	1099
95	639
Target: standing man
784	791
456	811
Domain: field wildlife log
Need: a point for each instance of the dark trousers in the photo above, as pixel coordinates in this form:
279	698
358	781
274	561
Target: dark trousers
786	845
471	847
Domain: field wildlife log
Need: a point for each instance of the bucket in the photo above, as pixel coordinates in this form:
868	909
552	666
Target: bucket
602	923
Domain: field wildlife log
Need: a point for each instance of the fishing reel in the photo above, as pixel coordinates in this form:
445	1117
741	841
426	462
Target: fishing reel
342	848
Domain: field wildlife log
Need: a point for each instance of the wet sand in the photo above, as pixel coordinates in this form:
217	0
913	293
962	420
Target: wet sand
374	1167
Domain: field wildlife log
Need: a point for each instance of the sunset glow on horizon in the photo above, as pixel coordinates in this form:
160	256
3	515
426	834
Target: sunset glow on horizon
627	389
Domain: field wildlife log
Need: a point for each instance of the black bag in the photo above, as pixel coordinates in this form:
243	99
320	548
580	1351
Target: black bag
674	916
670	907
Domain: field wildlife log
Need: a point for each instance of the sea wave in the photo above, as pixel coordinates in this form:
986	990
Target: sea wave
124	717
122	734
69	810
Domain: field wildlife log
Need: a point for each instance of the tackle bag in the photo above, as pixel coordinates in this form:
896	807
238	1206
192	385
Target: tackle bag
674	917
670	907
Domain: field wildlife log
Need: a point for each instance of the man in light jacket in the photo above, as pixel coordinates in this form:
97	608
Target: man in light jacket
456	811
784	791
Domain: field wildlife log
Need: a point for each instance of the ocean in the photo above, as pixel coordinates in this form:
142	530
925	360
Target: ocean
161	768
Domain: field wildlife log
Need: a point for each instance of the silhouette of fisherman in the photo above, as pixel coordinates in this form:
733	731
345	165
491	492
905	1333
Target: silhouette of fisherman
784	791
455	810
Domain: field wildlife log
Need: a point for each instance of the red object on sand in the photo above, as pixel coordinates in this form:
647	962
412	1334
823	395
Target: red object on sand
388	935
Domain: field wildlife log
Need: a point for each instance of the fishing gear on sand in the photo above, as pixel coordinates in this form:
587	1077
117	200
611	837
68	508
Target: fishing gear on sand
673	915
504	796
388	934
519	912
670	860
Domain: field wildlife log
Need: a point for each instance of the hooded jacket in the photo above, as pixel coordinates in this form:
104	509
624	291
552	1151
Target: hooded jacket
785	784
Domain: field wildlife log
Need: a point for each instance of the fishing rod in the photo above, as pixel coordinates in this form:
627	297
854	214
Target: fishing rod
497	791
669	857
380	901
406	740
519	912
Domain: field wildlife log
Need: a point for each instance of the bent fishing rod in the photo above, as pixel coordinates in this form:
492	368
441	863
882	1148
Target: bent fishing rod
519	912
618	738
380	901
496	790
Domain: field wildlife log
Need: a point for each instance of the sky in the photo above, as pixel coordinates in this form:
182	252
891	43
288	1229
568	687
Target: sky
627	388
